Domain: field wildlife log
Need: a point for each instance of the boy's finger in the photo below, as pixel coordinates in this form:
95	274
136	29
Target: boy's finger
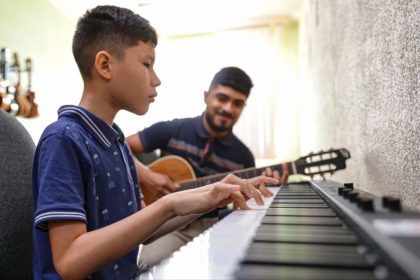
226	188
239	201
264	179
256	194
263	189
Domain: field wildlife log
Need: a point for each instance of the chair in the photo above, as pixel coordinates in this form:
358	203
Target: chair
16	154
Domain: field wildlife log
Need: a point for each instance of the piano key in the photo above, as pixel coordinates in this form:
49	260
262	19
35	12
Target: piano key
324	230
305	238
314	256
298	205
317	221
266	272
312	249
300	212
299	201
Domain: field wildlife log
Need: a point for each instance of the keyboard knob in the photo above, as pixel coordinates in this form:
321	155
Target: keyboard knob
392	203
365	203
353	196
346	193
349	186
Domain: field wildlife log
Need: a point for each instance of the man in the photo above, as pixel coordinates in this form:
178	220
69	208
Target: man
89	217
206	142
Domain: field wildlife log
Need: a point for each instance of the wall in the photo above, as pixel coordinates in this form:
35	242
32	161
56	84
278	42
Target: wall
35	29
43	30
360	67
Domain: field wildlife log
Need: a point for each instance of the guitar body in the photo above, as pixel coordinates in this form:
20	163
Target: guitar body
175	167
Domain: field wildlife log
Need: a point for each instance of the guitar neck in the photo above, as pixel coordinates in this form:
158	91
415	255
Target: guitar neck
323	162
243	173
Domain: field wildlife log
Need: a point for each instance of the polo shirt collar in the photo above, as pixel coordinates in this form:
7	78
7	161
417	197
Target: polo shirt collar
202	133
99	129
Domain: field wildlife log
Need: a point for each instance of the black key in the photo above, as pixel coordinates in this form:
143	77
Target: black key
300	212
298	205
305	238
307	255
266	272
297	201
325	230
317	221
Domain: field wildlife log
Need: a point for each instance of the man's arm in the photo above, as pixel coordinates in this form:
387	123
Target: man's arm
135	143
155	184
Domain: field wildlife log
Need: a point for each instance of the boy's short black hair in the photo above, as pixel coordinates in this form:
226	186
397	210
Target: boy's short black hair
108	28
234	78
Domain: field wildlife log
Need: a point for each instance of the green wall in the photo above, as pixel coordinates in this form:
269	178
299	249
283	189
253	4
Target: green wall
33	28
36	29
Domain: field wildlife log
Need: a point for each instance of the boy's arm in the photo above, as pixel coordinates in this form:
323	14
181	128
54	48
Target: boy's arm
172	225
77	253
255	186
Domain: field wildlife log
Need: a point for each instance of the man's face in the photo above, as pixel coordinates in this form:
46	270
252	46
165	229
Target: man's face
134	80
224	106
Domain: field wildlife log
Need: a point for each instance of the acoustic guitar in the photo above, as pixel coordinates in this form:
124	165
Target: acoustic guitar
180	171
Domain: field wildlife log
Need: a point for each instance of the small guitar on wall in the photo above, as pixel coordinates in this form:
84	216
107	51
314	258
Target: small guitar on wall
181	172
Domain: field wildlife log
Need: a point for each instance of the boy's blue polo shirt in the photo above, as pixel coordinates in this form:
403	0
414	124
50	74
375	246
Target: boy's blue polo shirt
82	171
189	139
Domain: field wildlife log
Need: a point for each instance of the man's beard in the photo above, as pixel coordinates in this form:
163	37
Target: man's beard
215	127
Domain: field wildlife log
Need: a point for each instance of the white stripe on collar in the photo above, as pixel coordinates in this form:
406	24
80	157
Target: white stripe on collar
88	121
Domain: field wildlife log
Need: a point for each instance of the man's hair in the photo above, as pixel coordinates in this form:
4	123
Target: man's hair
234	78
108	28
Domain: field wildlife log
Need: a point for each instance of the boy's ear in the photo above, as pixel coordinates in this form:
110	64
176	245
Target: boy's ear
102	64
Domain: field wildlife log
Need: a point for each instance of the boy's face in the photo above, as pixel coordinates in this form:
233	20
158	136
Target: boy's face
134	80
224	106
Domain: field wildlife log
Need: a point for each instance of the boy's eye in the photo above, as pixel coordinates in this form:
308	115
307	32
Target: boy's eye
148	65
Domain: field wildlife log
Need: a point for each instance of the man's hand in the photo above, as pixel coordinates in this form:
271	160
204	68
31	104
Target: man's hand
276	174
154	184
160	184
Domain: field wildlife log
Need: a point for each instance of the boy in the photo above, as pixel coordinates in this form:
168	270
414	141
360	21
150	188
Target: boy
87	222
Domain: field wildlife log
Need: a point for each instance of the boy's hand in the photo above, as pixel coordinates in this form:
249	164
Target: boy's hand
229	189
205	199
254	187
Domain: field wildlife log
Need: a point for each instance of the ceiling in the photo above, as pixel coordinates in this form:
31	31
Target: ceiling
180	17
